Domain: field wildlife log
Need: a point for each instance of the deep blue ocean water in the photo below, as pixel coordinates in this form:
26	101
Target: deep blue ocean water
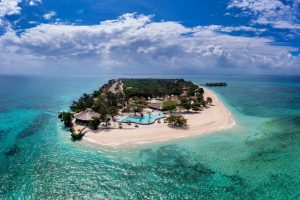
258	159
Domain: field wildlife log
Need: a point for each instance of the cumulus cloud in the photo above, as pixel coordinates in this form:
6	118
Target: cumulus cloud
230	29
277	13
49	15
9	7
135	43
34	2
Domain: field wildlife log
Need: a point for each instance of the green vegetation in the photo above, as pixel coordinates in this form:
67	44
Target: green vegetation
199	91
138	104
108	100
157	87
135	92
95	123
203	103
196	106
209	100
176	121
169	105
136	107
84	102
185	103
102	101
66	117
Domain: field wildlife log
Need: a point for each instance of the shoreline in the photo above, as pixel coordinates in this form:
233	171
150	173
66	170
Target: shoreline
211	119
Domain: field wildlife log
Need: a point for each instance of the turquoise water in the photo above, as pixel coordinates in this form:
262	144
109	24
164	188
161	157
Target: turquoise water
146	119
257	159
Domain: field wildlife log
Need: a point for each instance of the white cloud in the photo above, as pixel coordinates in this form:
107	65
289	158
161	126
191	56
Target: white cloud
8	7
34	2
230	29
135	43
33	22
49	15
279	14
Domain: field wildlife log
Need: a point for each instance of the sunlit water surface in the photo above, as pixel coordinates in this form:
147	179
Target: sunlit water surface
257	159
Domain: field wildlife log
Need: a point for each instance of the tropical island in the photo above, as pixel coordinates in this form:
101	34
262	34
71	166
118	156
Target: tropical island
133	111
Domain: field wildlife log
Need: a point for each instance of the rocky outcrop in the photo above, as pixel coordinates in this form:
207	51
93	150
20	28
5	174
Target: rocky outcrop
77	132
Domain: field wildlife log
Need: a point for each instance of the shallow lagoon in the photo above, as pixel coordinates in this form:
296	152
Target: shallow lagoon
257	159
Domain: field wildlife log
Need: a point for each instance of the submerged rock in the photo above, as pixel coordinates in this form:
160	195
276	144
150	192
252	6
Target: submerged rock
12	151
59	115
3	133
34	126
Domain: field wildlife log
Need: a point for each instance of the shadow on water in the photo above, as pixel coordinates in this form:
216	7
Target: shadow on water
176	163
3	133
12	151
196	179
75	139
36	125
275	145
275	136
172	164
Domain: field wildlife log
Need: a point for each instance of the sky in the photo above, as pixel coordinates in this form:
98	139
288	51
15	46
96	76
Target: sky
149	37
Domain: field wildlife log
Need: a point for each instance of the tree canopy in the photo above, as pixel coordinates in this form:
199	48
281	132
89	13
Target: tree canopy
157	87
209	100
107	103
95	123
169	105
66	117
176	121
185	103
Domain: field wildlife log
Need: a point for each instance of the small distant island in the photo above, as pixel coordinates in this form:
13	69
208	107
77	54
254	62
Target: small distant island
216	84
130	111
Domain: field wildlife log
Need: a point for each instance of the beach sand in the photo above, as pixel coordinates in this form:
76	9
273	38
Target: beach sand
212	119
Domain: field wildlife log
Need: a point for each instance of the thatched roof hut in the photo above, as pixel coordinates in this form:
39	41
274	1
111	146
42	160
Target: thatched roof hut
86	116
155	106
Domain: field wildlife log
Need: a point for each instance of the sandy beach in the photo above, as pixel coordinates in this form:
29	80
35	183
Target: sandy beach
211	119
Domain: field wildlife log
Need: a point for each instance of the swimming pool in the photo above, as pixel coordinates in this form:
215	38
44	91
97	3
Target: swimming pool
146	119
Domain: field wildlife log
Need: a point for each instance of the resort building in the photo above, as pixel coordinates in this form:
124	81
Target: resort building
155	105
84	117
